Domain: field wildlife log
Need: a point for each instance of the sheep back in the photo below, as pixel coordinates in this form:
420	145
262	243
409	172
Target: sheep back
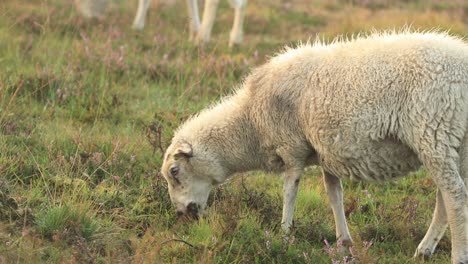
369	106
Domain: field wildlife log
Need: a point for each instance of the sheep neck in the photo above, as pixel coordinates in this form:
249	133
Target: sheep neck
234	143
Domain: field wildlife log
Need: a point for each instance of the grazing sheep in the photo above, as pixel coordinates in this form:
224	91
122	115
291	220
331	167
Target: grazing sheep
198	32
372	108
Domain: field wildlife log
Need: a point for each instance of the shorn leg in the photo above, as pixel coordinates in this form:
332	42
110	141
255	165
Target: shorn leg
209	14
192	8
436	229
139	22
237	33
290	187
335	196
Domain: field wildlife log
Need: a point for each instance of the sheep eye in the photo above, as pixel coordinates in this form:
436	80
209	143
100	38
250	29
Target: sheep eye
174	171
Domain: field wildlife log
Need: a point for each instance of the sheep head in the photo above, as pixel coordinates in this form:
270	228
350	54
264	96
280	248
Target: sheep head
190	171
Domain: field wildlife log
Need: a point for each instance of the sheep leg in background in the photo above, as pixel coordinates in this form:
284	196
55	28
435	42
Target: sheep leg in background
436	229
290	188
91	8
335	196
192	8
237	33
209	14
139	22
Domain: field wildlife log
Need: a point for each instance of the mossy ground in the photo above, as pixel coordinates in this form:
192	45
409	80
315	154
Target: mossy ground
88	106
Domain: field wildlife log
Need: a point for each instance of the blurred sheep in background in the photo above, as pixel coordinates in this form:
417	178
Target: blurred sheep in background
200	31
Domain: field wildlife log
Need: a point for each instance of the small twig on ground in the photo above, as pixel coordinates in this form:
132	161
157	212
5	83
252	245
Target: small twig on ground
252	197
177	240
154	136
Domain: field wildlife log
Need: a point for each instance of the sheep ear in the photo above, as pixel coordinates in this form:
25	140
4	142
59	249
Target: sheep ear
183	150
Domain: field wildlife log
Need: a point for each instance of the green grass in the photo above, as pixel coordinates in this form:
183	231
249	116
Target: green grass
88	107
52	221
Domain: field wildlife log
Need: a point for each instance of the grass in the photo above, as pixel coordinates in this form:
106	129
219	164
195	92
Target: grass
88	107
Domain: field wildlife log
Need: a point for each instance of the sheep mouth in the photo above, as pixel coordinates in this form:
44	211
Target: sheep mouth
192	212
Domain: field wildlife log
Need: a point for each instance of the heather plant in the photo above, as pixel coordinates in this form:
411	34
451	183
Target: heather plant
87	108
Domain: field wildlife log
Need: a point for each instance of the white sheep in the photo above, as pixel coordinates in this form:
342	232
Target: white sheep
372	108
199	32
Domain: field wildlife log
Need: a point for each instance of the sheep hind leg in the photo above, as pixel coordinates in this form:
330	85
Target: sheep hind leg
237	33
335	196
439	221
139	21
192	8
447	175
209	14
436	229
91	8
464	178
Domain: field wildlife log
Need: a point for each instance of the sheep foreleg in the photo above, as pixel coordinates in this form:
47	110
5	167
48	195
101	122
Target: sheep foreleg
290	188
335	196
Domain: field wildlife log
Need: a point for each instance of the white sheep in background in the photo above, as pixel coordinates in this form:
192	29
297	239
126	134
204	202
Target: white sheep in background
199	32
372	108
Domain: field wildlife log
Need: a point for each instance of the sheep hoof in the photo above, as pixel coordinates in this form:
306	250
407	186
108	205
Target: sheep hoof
233	45
343	246
465	261
347	242
202	38
193	36
138	27
461	259
235	40
425	254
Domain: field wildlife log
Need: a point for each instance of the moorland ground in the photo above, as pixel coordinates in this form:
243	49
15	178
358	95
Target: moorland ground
88	106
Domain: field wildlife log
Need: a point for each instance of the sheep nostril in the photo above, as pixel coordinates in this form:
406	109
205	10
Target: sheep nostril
192	209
